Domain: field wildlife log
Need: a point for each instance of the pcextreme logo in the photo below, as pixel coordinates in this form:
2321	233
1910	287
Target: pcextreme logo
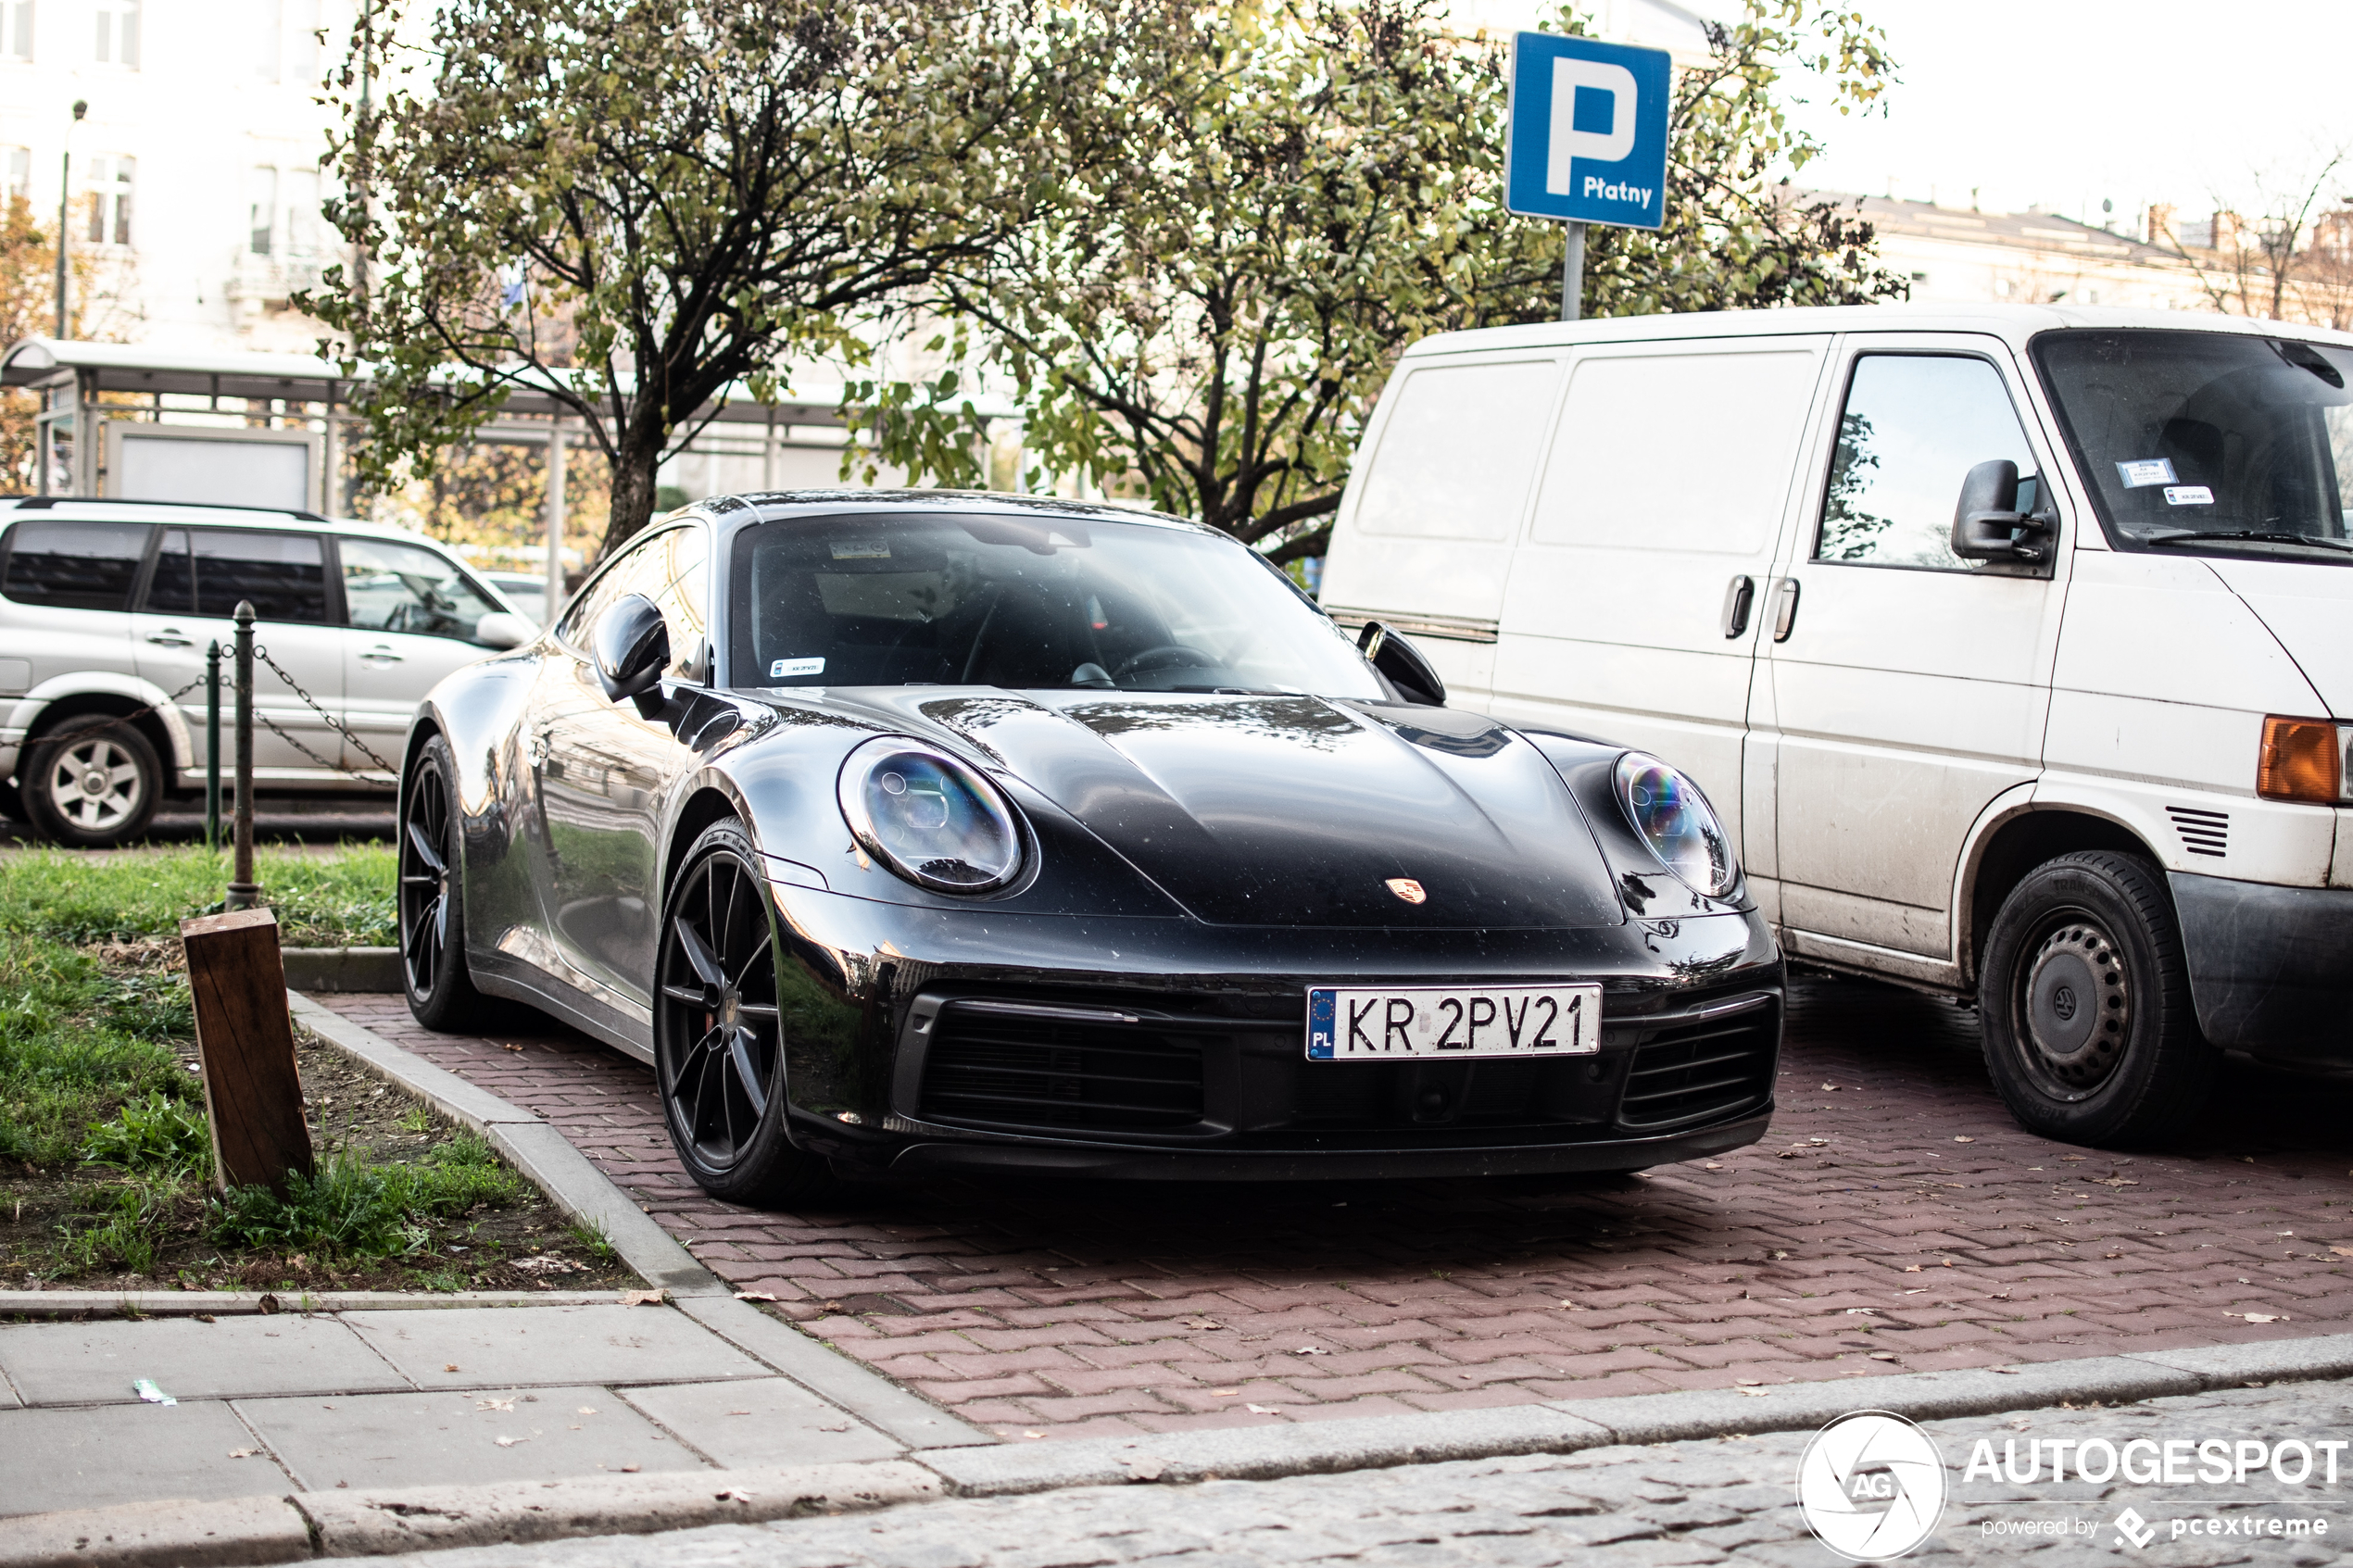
1872	1485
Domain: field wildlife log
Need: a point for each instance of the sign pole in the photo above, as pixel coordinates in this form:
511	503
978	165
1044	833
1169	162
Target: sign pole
1573	275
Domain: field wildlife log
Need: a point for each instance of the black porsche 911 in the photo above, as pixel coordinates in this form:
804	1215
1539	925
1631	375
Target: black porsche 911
929	832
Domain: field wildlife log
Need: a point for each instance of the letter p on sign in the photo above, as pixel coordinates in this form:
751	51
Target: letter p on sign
1593	109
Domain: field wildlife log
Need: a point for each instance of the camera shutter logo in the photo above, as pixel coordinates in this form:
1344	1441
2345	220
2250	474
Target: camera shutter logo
1872	1485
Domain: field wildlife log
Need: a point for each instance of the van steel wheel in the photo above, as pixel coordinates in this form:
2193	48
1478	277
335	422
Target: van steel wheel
433	902
93	783
719	1043
2091	1035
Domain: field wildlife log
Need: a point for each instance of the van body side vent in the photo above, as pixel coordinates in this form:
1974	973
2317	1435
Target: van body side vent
2202	833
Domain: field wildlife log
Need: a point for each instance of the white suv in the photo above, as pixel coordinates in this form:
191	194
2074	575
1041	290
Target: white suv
106	609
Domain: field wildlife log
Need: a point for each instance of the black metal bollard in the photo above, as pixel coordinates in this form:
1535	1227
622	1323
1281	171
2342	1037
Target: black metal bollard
243	892
212	745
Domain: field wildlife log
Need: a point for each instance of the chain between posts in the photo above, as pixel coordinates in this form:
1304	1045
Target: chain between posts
333	723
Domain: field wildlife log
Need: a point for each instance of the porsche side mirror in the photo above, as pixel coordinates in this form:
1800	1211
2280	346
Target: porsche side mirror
1987	524
632	647
1403	663
501	629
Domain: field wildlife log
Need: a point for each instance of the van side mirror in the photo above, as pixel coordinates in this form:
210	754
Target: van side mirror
631	644
1403	663
1987	524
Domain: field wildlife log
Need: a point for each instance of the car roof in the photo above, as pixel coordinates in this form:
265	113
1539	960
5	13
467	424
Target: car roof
2016	322
769	506
203	514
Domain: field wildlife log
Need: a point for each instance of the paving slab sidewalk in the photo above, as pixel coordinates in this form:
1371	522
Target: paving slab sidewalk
269	1405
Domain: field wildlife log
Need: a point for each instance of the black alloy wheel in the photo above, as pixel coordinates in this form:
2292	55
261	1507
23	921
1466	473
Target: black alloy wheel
2091	1034
433	911
719	1043
91	784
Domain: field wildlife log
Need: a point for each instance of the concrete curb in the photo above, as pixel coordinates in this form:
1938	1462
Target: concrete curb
342	969
352	1524
572	1182
224	1303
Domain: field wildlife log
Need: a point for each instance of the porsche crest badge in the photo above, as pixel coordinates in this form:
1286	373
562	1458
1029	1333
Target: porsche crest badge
1405	888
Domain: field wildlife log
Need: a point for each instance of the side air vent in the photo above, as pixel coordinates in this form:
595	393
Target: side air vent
1704	1067
2202	833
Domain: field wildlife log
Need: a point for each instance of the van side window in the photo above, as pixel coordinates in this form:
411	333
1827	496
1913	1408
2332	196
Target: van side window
1456	457
74	565
206	571
1683	452
1913	426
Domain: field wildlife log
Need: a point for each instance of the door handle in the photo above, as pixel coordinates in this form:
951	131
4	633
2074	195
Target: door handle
170	637
1739	594
1785	614
380	653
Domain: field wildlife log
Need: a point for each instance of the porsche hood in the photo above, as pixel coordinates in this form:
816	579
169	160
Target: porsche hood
1294	811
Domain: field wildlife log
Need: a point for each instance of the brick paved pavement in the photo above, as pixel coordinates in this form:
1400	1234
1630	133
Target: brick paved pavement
1895	1220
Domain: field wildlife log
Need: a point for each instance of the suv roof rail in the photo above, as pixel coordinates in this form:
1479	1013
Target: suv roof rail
44	503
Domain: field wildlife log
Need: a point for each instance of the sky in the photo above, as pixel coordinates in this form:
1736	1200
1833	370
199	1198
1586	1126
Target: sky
2068	103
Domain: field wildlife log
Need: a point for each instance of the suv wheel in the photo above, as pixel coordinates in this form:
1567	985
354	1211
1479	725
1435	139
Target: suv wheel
719	1036
2091	1035
92	782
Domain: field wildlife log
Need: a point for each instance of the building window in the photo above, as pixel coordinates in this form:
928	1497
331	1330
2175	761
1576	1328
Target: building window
302	213
110	178
118	37
262	210
15	30
16	169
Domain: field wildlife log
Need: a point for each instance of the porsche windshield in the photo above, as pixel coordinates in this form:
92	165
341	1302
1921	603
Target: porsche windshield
1026	602
2209	442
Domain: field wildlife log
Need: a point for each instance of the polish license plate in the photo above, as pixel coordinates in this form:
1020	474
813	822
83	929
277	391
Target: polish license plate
1384	1024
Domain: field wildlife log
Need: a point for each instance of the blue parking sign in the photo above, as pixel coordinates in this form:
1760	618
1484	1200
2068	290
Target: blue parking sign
1588	130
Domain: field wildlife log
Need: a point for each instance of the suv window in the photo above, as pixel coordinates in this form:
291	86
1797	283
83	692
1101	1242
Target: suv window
74	565
1913	427
206	572
389	587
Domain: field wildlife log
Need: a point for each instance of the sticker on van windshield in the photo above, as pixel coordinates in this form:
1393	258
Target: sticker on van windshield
2188	496
796	667
2147	471
879	549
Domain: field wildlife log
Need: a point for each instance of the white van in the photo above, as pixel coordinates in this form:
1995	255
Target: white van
2015	644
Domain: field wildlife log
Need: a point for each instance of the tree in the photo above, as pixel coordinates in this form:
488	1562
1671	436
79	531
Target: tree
634	204
2253	269
1276	199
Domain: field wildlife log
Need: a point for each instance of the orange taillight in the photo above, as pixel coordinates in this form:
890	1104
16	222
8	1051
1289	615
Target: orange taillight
2299	761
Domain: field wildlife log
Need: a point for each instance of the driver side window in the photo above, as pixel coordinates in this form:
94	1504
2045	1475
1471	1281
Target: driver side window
1912	428
667	567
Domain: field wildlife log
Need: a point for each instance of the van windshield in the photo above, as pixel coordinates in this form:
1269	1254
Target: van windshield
1026	602
2209	443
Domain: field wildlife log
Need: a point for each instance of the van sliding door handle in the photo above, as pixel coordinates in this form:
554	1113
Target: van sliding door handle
1738	596
1785	615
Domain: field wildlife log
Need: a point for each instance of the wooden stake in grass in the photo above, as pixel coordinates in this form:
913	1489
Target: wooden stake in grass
252	1096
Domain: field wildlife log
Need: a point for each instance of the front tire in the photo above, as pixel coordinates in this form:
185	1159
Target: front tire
93	783
2091	1034
718	1044
432	900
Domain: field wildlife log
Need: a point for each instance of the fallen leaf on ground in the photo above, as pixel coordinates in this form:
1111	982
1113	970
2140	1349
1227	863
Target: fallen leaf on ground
585	1410
2342	1251
1862	1312
1781	1256
641	1297
494	1404
1747	1382
1263	1410
755	1296
1830	1088
1963	1140
1752	1393
450	1366
517	1049
510	1442
1789	1154
1911	1268
2112	1182
1203	1322
1311	1350
1711	1165
1223	1392
1882	1356
2258	1317
243	1453
2111	1256
629	1470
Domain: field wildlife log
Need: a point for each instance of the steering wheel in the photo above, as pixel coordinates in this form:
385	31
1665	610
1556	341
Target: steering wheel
1183	654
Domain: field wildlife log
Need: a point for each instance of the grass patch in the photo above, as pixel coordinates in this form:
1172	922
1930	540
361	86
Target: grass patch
321	901
352	1209
78	1044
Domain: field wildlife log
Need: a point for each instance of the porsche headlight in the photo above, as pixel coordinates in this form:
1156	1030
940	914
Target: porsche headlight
929	817
1676	820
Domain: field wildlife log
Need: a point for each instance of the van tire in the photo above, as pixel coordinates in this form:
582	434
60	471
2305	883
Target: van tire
93	822
2091	1034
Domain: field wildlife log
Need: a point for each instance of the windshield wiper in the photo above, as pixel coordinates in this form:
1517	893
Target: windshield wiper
2259	538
